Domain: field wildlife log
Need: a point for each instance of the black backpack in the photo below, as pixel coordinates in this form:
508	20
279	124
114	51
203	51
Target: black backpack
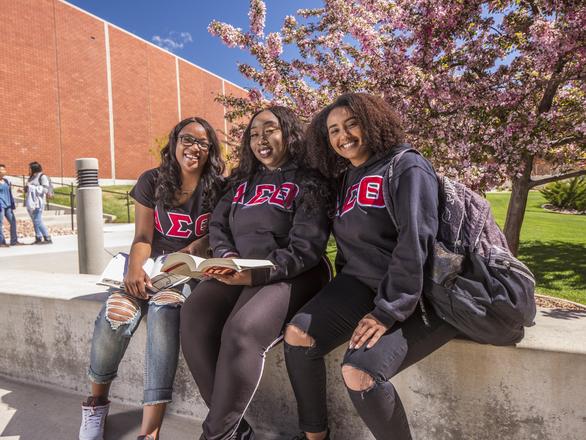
473	281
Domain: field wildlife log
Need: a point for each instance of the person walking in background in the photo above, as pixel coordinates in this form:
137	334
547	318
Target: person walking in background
7	207
36	192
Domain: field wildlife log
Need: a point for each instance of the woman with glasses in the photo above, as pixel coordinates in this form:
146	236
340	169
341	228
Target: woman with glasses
276	209
173	204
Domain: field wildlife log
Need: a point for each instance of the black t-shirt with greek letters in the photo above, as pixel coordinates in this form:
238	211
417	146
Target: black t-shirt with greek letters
176	227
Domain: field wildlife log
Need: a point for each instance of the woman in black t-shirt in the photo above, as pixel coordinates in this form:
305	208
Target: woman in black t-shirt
172	210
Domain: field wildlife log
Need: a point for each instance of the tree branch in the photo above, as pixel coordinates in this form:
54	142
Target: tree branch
535	183
552	87
567	140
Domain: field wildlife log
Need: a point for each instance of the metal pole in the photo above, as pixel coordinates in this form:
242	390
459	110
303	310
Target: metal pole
127	206
90	224
71	204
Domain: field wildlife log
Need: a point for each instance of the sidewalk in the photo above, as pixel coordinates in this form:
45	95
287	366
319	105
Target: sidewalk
61	256
34	412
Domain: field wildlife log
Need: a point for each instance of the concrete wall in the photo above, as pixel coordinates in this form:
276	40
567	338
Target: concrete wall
463	391
57	66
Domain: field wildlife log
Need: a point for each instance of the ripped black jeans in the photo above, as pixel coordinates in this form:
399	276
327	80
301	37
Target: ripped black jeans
330	319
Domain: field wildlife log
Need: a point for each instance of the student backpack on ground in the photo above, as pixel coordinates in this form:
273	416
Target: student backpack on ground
474	282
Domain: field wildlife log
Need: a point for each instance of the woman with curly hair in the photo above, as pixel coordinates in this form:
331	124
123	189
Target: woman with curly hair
373	300
173	204
276	209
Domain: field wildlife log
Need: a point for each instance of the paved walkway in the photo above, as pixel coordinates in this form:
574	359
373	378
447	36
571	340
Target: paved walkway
61	256
34	412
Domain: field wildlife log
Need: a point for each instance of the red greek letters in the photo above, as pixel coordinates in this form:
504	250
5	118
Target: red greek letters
179	223
370	192
201	224
262	194
239	195
367	193
283	196
158	221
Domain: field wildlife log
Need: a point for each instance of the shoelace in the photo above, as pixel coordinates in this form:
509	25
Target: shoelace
92	417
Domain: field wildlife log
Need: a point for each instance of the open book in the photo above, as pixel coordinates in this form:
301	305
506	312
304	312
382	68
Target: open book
194	267
169	270
113	275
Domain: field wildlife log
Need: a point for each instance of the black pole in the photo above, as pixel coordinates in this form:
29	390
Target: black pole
24	188
71	201
128	206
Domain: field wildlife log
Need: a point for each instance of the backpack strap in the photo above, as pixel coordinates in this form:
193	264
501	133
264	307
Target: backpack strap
388	180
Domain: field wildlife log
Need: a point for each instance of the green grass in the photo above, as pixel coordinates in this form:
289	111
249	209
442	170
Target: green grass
552	245
114	204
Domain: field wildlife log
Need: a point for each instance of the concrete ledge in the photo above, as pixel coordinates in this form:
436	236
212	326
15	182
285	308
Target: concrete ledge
463	391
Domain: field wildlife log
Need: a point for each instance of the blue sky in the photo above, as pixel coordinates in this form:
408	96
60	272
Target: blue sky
185	22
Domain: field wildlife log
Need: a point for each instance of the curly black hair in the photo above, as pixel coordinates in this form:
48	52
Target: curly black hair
380	125
317	189
169	178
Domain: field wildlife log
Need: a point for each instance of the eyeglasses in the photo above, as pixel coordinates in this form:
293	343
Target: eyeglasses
190	141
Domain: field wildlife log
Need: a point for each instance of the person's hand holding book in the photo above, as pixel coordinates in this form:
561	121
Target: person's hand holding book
136	282
230	276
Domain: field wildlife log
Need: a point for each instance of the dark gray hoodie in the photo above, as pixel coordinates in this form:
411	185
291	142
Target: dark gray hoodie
370	248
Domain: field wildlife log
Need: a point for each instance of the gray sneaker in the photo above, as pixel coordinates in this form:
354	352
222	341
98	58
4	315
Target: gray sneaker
93	419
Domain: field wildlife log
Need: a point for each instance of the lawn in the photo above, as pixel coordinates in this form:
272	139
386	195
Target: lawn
552	245
113	202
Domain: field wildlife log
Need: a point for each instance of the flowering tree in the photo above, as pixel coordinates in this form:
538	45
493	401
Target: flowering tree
484	87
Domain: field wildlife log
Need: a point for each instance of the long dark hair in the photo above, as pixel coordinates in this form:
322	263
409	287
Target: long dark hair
317	190
34	168
169	179
380	125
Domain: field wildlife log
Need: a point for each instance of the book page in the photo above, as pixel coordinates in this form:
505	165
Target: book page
180	262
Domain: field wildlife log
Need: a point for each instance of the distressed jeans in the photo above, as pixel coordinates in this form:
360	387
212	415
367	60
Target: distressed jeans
9	214
112	334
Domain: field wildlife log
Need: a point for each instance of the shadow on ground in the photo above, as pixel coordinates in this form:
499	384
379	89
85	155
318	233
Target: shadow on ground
564	314
556	264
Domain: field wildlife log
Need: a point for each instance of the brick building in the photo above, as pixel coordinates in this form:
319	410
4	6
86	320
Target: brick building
73	85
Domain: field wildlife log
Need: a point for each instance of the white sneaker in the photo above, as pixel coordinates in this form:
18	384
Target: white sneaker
93	419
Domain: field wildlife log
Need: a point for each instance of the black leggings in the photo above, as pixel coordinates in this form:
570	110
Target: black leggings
330	319
226	332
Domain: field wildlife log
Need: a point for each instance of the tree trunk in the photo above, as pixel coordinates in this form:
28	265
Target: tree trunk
517	205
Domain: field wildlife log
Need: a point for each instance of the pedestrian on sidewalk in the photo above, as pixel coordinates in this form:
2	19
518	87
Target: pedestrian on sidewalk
36	198
7	207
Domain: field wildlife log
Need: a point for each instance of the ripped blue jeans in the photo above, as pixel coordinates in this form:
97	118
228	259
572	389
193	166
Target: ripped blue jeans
116	323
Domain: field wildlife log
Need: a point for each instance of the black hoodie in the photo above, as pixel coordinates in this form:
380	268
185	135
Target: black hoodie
369	246
267	218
